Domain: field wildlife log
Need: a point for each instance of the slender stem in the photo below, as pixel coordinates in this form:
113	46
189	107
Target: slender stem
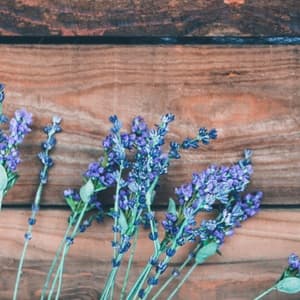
66	249
132	252
26	241
266	292
108	283
116	208
139	282
153	231
54	262
172	277
187	275
20	269
157	275
166	260
61	271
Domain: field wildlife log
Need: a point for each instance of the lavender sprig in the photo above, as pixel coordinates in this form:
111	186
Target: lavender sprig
99	176
47	163
212	233
289	282
19	127
137	191
215	185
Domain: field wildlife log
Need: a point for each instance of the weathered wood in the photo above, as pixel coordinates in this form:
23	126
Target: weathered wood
273	232
240	281
144	18
250	94
252	259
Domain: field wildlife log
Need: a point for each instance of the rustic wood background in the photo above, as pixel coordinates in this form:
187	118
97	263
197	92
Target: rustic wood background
249	93
144	18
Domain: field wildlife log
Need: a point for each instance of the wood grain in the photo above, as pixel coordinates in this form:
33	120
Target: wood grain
240	281
144	18
274	233
252	259
250	94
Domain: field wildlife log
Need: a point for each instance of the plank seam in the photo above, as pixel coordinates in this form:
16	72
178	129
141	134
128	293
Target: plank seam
153	40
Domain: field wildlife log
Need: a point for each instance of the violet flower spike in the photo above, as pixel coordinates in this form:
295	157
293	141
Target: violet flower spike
21	125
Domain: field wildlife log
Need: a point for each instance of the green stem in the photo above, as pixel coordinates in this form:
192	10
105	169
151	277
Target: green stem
20	269
132	252
139	282
57	275
26	241
157	275
116	208
153	231
172	277
266	292
74	233
187	275
109	282
54	262
167	258
61	271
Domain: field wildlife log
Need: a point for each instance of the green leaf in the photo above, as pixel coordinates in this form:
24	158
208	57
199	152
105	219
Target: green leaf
172	207
123	222
71	203
206	251
3	178
12	178
289	285
86	191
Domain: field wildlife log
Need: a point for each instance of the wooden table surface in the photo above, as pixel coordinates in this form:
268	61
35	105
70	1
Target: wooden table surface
250	93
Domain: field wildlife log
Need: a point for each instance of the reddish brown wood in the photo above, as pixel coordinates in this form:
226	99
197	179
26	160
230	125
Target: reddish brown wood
84	280
144	18
251	260
250	94
274	233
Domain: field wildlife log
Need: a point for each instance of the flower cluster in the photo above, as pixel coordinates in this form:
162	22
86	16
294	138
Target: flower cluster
294	263
47	146
19	127
215	184
239	209
217	188
47	163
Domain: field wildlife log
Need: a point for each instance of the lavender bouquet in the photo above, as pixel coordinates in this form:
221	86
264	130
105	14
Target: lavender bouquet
132	165
19	127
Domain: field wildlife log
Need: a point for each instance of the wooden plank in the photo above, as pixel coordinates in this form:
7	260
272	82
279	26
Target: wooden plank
142	18
240	273
240	281
250	94
273	232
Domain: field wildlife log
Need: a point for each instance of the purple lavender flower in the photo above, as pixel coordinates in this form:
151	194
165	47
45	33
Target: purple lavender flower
174	150
47	146
19	127
12	159
214	185
231	215
204	136
73	194
139	127
294	262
